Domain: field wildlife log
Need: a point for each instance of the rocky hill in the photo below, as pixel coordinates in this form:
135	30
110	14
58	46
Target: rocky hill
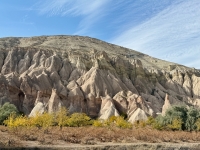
91	76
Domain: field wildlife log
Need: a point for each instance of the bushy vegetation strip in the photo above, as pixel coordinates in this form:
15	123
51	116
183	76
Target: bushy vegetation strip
62	118
79	128
176	118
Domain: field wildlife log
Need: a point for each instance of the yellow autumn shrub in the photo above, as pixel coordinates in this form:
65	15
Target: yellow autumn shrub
150	120
197	123
176	124
10	121
19	121
121	123
113	121
140	123
78	120
61	117
98	123
44	120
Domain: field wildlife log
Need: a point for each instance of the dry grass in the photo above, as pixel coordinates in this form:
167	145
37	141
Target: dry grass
7	140
154	136
94	135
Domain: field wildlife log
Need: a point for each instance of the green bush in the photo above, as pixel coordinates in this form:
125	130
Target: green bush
174	119
192	116
161	122
177	118
177	112
156	123
6	110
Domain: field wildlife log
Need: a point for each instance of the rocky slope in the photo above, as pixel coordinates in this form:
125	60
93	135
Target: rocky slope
91	76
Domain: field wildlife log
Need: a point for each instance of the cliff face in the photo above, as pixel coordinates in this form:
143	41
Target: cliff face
91	76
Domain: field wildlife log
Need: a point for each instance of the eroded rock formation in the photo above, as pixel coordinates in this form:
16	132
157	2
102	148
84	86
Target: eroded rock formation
88	75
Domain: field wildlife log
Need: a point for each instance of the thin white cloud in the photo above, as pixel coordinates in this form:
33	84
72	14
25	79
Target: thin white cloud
90	11
165	29
173	34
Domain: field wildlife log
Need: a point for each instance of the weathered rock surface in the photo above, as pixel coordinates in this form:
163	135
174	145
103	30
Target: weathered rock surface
107	108
91	76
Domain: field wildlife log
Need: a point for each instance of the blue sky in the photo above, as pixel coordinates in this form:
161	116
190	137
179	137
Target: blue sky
166	29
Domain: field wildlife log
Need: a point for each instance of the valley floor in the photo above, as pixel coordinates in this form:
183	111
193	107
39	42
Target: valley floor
97	138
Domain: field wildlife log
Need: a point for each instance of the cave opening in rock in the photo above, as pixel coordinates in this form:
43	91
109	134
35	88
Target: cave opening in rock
21	94
21	99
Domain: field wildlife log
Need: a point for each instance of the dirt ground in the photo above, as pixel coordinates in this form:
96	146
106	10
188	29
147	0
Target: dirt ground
95	138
